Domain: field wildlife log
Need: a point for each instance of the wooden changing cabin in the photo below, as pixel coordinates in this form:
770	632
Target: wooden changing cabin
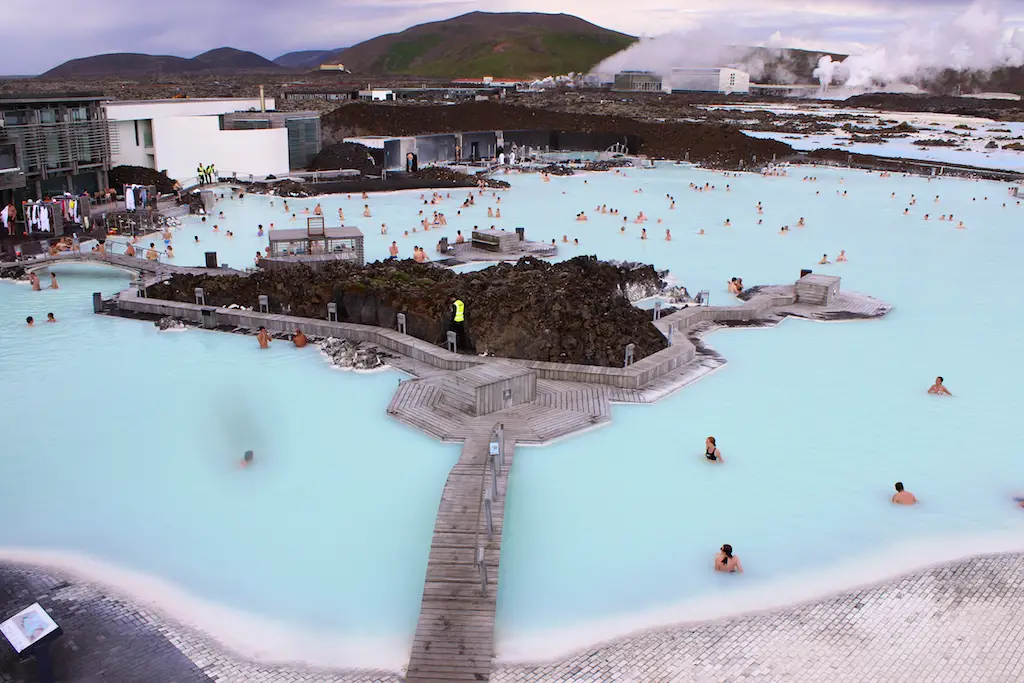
314	245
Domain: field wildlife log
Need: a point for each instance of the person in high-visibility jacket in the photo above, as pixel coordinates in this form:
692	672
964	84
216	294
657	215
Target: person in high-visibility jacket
458	321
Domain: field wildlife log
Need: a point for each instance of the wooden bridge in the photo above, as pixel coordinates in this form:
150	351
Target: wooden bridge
133	264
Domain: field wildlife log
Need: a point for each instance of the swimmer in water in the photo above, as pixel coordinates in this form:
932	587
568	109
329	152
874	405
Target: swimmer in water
196	238
50	318
903	497
701	231
263	337
299	339
30	321
668	236
842	256
800	223
711	451
727	223
939	389
247	458
643	233
824	260
725	561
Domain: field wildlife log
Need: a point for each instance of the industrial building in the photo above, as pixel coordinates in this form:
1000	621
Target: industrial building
715	80
236	135
51	144
637	81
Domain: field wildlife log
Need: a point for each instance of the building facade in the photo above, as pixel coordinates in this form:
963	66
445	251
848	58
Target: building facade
637	81
236	135
716	80
52	144
302	129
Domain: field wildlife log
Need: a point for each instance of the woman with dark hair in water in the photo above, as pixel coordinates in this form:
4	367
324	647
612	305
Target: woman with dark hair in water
247	459
726	562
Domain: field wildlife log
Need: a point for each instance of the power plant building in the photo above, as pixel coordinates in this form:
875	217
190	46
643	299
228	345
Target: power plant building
717	80
637	81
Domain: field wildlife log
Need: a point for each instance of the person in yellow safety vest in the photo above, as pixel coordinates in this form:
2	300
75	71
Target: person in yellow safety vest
199	174
458	322
211	173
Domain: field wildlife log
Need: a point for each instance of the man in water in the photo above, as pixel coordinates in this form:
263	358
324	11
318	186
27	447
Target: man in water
299	339
247	459
939	389
263	337
902	497
30	321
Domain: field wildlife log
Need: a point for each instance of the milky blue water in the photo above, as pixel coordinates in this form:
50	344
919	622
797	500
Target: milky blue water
123	444
816	421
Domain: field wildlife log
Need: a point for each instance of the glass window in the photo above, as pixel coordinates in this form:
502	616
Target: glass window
7	157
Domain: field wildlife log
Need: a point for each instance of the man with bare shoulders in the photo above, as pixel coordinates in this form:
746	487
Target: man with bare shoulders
263	337
902	497
151	254
939	389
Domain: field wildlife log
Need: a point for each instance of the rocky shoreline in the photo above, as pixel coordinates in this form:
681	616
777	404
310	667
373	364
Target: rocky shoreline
343	354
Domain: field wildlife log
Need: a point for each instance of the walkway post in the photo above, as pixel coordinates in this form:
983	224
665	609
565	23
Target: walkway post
401	322
483	570
657	309
671	333
97	302
629	354
452	341
487	512
200	296
501	444
264	303
332	312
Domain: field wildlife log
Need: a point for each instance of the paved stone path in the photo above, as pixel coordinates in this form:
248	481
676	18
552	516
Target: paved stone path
960	623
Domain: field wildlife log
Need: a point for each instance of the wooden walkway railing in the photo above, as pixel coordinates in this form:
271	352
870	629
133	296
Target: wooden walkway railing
455	634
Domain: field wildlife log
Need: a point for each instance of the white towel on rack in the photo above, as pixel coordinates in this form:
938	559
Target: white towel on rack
129	198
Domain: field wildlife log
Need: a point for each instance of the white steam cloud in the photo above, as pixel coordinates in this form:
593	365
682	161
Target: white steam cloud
977	40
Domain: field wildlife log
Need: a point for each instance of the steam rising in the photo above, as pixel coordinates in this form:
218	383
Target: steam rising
975	41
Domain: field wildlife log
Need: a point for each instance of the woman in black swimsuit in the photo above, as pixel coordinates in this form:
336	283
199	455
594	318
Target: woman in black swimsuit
711	451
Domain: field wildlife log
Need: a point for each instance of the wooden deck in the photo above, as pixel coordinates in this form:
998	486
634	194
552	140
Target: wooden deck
455	633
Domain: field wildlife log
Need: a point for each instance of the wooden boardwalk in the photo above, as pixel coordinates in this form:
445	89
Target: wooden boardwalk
135	264
455	633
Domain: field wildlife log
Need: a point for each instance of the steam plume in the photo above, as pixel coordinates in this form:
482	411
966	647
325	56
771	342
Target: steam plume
976	41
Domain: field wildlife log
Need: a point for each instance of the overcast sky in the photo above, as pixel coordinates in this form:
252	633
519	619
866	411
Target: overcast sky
273	27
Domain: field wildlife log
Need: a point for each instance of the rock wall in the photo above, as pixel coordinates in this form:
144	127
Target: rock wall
713	145
575	311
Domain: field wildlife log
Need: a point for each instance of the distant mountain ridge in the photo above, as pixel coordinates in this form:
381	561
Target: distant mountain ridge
222	59
506	44
305	59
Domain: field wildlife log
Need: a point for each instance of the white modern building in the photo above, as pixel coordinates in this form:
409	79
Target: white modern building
718	80
179	134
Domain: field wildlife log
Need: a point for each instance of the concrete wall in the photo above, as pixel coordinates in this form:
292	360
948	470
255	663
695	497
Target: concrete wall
129	151
181	143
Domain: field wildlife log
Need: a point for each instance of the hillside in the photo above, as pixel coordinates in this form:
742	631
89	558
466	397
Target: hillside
503	45
230	59
121	63
223	59
305	59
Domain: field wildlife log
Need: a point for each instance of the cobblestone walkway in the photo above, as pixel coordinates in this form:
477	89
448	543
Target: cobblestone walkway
959	623
963	622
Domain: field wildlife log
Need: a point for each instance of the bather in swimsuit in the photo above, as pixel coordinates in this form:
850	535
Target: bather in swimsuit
710	455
